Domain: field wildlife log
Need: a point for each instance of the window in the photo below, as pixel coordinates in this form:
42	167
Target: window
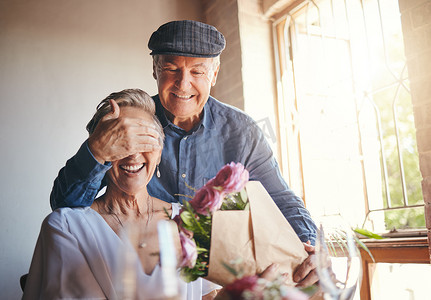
347	130
347	127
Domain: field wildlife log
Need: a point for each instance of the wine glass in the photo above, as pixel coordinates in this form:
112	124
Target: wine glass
338	261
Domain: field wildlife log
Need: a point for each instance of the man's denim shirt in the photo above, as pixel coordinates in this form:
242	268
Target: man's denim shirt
189	159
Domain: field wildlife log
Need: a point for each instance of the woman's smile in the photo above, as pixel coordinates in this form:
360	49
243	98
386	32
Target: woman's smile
132	168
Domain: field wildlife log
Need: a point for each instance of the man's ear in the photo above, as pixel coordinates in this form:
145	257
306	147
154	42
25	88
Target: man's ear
214	80
154	71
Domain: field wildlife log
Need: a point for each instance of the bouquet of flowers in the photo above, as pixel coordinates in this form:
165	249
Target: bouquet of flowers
232	219
223	192
255	288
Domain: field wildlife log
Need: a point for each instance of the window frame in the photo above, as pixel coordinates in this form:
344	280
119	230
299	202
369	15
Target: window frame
411	246
411	250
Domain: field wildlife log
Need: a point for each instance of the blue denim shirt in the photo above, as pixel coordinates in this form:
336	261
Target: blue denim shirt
189	160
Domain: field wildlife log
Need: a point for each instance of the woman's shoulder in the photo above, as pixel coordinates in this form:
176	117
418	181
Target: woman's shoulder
160	205
60	217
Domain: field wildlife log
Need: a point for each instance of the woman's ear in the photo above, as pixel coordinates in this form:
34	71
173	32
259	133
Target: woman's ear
160	157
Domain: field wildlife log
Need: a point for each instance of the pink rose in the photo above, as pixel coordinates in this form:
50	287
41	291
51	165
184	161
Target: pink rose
236	288
232	178
207	199
189	251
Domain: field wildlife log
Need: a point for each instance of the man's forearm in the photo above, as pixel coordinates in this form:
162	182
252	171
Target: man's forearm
79	181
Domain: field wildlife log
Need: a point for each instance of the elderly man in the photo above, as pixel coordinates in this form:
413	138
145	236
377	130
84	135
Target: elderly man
202	135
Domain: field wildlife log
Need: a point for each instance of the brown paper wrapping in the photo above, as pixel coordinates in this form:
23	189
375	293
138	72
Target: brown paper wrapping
259	237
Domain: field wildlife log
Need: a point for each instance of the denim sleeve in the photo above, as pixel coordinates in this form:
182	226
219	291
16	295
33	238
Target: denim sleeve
79	181
263	167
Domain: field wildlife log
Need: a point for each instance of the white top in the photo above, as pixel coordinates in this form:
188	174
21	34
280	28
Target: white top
78	256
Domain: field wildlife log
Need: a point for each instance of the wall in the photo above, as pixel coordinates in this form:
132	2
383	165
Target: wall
416	22
258	67
246	79
223	14
58	59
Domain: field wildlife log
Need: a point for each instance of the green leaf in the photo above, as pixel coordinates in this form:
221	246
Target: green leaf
243	195
187	218
167	213
368	234
187	275
231	270
363	246
310	290
201	250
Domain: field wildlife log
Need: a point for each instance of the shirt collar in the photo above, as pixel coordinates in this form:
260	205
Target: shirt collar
160	112
207	119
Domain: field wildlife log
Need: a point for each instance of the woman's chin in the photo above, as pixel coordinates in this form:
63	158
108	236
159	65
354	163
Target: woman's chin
133	189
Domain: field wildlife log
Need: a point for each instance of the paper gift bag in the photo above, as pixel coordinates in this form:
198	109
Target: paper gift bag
257	238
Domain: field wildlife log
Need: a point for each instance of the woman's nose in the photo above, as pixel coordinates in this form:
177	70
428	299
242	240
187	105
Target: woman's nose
134	156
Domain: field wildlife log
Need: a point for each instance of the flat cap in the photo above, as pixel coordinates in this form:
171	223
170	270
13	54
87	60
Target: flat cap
187	38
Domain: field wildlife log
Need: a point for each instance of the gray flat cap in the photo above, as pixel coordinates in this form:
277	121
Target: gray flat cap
187	38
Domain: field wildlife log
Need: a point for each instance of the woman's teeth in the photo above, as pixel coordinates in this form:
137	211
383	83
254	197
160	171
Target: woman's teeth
132	168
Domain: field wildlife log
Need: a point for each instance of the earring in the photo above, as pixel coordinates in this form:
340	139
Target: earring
157	171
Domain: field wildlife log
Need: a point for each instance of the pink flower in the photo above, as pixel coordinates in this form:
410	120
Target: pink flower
189	251
207	199
236	288
232	178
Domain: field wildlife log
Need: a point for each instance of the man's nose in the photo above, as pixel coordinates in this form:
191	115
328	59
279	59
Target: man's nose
183	80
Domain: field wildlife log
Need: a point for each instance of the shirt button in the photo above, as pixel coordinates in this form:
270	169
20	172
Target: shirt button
183	175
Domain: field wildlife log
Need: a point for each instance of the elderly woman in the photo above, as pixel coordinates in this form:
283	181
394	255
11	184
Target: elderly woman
109	250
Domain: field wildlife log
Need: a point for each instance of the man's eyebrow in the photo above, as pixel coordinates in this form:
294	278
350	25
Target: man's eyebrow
168	63
201	65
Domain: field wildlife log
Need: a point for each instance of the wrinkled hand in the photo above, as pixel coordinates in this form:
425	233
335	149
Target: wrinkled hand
305	275
271	273
117	137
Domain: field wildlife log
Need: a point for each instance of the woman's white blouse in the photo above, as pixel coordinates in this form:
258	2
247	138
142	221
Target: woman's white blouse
78	256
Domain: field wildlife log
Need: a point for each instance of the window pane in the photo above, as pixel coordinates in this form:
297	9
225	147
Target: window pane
348	104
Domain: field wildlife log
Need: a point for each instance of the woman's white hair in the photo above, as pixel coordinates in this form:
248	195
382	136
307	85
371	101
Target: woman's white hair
129	97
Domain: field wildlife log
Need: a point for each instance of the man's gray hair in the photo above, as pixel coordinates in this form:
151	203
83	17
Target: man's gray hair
129	97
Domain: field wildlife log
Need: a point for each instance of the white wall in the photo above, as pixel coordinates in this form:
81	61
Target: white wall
258	72
58	59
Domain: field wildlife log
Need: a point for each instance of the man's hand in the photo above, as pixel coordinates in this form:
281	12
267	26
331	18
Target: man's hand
305	275
116	137
271	273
